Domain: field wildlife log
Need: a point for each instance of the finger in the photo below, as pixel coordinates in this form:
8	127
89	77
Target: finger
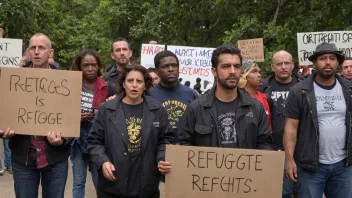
295	173
58	135
106	175
112	167
110	174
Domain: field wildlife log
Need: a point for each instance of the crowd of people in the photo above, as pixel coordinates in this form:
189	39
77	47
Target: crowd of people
129	114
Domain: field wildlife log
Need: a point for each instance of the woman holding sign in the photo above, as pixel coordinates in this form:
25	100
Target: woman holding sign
128	138
94	91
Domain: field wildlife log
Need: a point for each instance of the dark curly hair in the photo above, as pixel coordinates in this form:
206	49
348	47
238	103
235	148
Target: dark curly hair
224	49
76	64
128	69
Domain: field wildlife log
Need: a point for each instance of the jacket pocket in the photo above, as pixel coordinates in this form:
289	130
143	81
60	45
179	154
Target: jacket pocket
204	130
202	135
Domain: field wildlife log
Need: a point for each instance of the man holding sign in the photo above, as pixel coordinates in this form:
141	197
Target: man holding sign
226	117
38	158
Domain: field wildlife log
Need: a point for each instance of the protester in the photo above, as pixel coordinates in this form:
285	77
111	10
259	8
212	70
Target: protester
121	54
318	129
7	160
154	75
128	139
226	117
250	80
39	159
276	89
187	84
94	92
347	68
173	96
198	86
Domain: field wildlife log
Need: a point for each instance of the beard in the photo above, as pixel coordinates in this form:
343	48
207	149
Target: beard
223	82
325	75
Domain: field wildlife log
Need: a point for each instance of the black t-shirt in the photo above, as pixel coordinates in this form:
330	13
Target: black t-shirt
227	119
280	92
133	116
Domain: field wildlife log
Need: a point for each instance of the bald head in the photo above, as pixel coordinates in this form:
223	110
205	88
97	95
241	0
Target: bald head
282	65
45	37
282	53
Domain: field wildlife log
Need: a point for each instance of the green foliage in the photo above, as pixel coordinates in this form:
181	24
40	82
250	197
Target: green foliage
74	25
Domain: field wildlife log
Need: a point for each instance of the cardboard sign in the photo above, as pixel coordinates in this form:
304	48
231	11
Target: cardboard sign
36	101
220	172
10	52
308	41
195	62
252	49
148	53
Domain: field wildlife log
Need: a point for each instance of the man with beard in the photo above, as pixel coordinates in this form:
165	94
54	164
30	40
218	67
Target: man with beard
121	54
226	117
317	138
173	96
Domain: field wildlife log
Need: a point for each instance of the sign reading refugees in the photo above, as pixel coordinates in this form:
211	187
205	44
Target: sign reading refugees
223	172
36	101
252	49
148	53
195	62
10	52
308	41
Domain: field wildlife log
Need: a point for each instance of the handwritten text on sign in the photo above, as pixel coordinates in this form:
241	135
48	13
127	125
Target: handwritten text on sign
252	49
148	53
36	101
195	62
307	42
10	52
218	172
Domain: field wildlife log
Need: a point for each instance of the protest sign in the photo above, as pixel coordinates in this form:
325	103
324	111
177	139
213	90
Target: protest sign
36	101
223	172
195	62
148	53
10	52
308	41
252	49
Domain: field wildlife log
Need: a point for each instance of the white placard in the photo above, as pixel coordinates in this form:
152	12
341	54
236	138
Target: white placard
148	52
308	41
195	62
10	52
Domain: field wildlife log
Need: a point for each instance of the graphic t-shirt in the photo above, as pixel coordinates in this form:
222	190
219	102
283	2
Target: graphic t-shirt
87	99
280	92
331	108
226	112
175	101
133	116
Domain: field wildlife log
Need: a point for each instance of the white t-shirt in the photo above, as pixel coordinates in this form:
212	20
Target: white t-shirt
331	108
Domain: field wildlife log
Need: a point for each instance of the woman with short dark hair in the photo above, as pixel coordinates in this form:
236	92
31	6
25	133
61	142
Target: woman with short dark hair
128	139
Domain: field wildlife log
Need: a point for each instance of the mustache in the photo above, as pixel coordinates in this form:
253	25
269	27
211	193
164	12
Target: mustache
232	77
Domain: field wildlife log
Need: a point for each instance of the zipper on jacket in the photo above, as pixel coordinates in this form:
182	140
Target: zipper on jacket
29	146
316	132
217	128
349	134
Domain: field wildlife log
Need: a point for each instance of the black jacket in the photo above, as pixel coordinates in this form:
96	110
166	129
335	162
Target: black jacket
19	145
277	117
112	75
302	97
108	141
201	123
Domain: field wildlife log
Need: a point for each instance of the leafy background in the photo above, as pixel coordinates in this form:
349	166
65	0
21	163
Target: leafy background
74	25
